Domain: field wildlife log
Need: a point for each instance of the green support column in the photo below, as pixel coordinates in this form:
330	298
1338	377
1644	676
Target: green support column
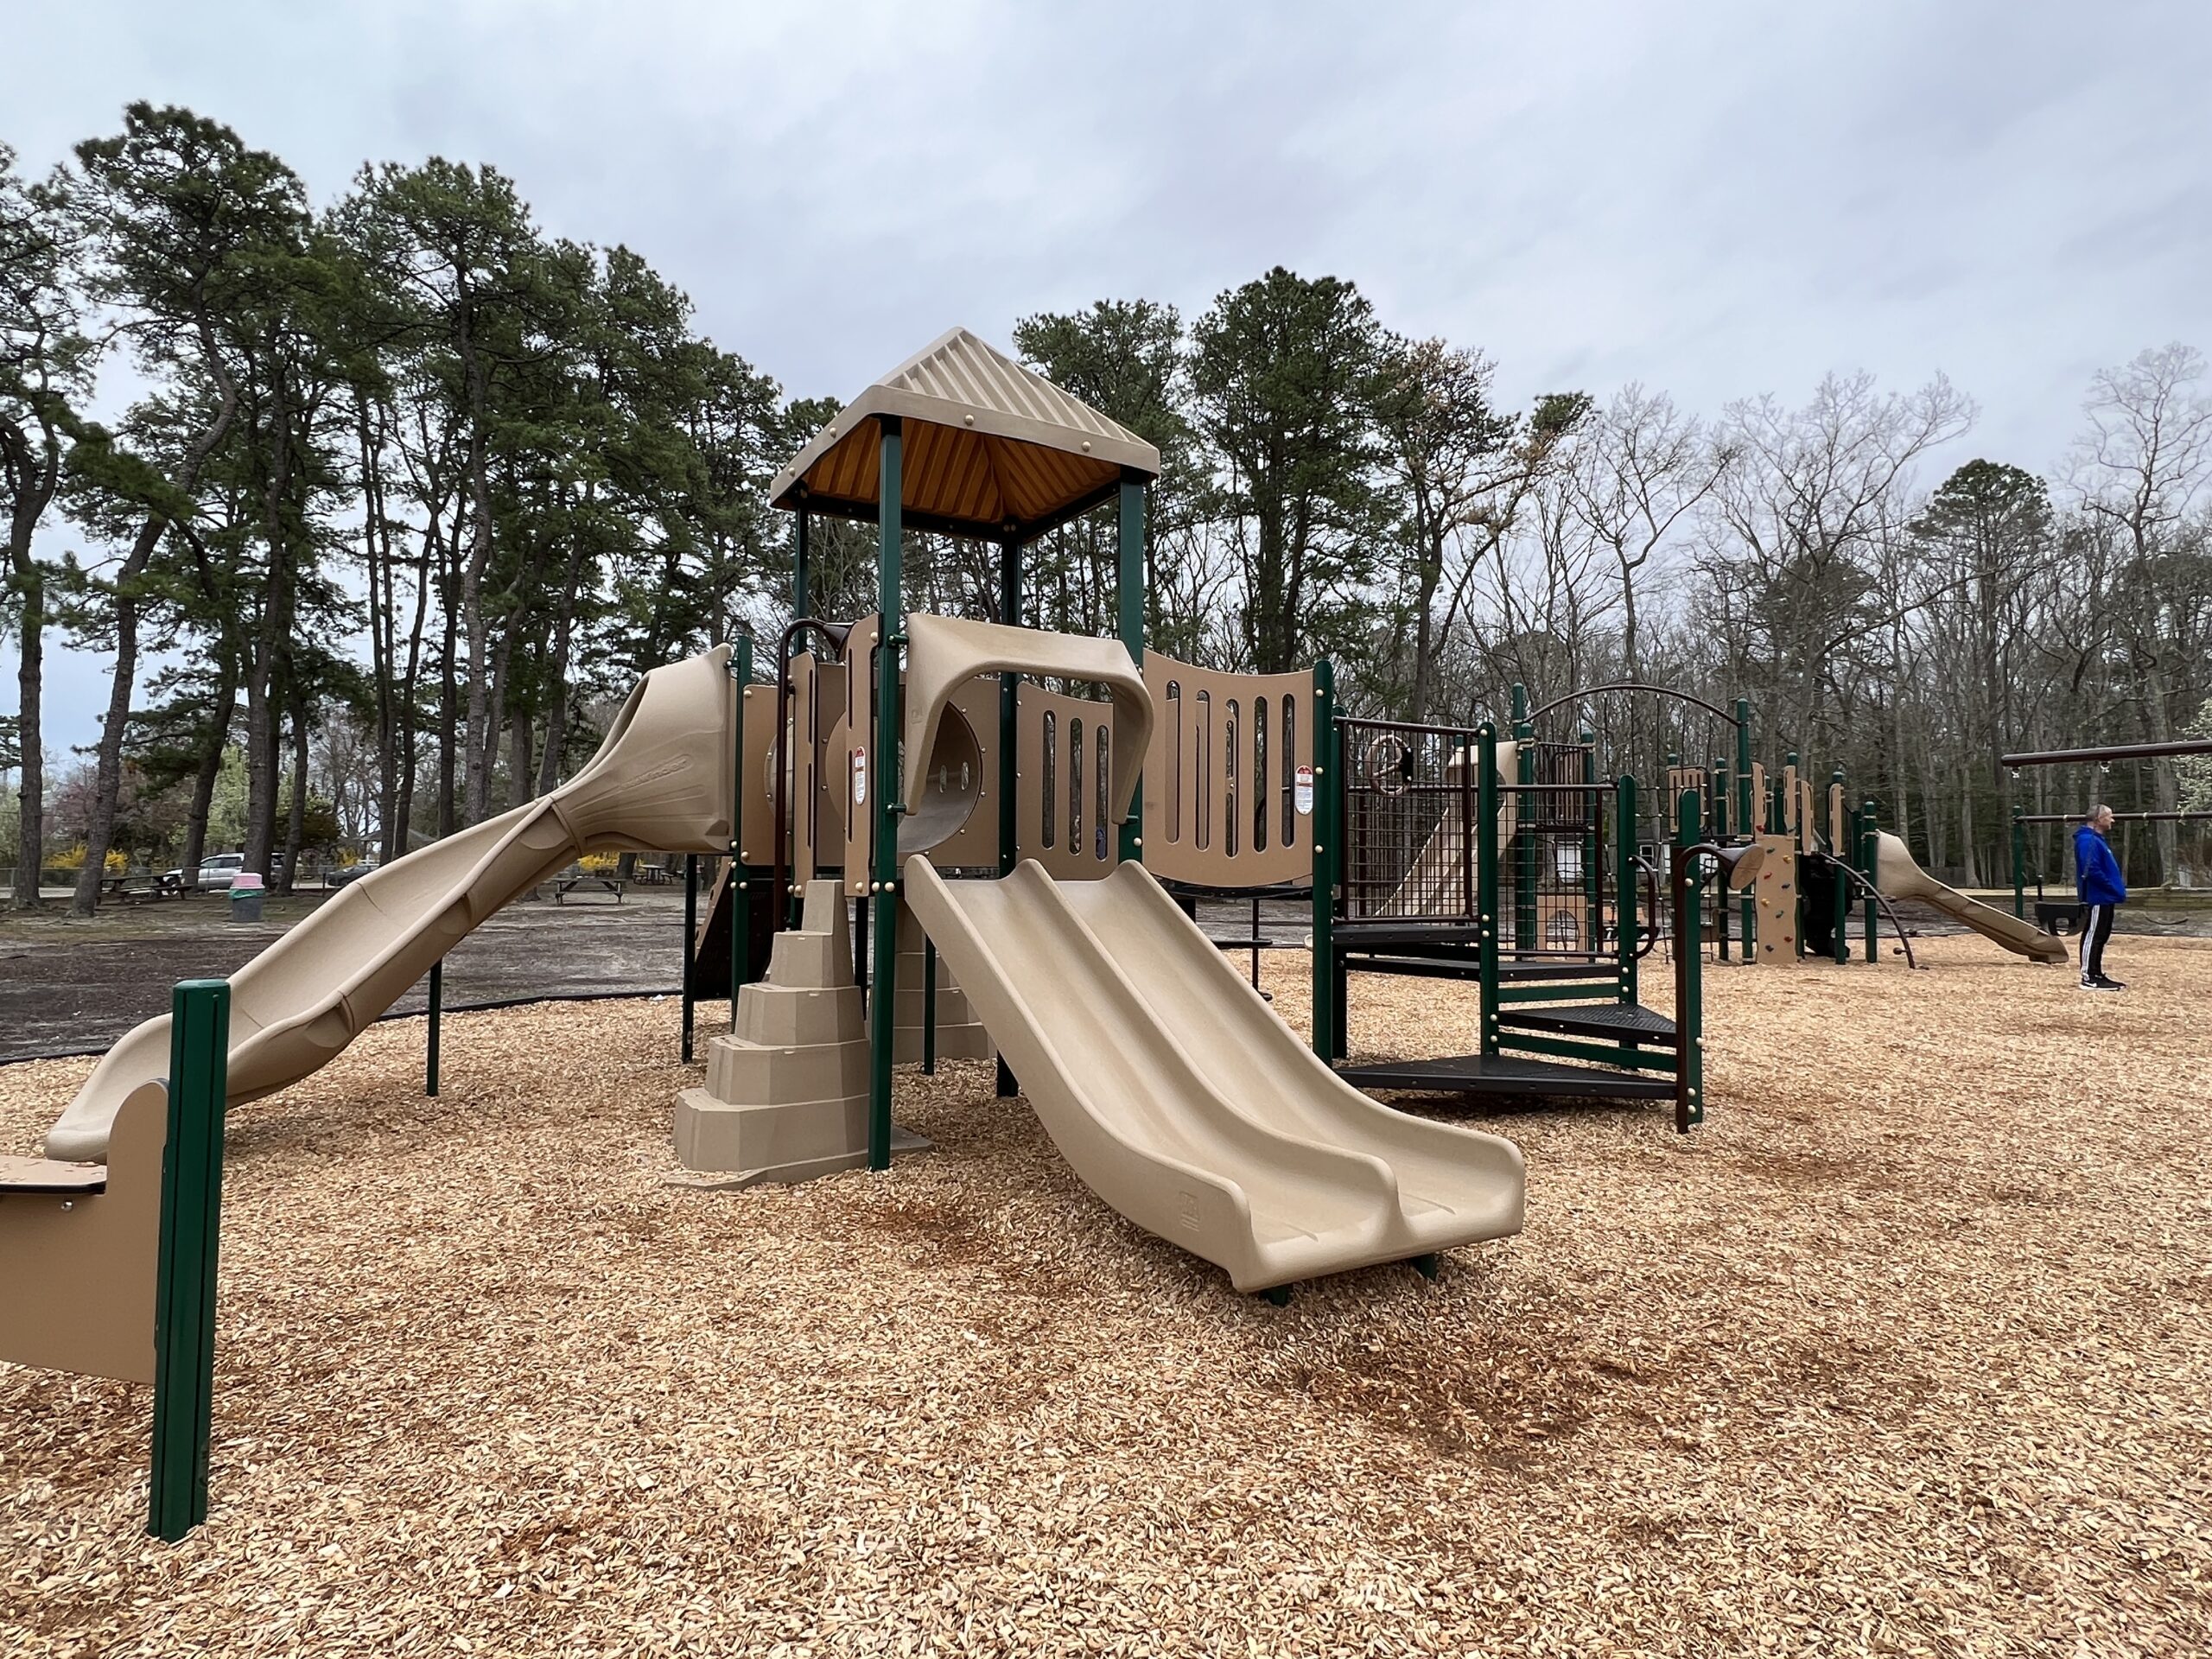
1746	821
691	943
1486	853
1009	768
799	551
1843	854
1129	588
741	889
2019	867
435	1020
1626	883
1327	857
1689	975
1722	800
184	1289
1593	850
1524	844
884	780
1869	860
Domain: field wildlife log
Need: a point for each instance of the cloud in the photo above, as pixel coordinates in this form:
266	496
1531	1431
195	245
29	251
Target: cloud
1712	196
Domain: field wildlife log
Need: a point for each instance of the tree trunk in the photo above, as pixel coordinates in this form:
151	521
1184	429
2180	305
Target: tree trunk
107	781
30	805
295	819
211	767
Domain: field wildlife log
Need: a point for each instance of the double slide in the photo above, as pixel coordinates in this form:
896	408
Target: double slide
1179	1097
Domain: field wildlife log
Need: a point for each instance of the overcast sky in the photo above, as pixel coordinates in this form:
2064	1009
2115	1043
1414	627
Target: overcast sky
1719	198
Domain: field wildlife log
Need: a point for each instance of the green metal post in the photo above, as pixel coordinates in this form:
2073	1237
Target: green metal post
1625	872
1869	860
799	563
2019	866
1593	850
1327	857
1486	916
929	1007
184	1289
1009	771
1721	802
1746	822
1129	588
883	764
1843	854
741	889
436	1019
690	943
1690	972
1524	844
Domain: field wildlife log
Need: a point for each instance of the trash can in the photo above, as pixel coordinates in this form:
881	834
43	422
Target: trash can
247	894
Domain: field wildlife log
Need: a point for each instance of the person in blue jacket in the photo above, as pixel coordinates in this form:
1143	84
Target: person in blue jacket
2103	889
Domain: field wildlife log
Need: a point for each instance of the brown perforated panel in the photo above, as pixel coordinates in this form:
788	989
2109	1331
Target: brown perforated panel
1223	802
1061	815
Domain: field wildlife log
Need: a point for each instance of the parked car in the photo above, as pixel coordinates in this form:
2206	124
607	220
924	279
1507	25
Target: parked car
217	872
346	875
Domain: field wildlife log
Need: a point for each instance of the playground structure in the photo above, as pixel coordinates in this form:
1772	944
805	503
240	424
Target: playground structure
1018	845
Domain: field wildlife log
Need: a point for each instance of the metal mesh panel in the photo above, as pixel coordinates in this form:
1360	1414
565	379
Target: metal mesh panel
1409	812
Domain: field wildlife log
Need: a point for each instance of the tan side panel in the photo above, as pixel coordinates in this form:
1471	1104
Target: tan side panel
757	841
826	834
850	739
1774	888
1837	820
77	1274
1805	820
1759	798
1221	804
799	767
1061	809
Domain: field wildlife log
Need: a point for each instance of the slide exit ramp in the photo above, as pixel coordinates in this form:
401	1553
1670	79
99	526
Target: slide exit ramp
1898	875
1180	1098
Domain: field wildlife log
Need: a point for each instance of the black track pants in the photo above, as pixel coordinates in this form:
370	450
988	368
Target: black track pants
2096	928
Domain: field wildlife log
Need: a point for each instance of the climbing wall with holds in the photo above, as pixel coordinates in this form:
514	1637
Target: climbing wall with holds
1774	888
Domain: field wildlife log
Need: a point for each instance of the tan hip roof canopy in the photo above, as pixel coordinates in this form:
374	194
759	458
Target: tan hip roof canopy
989	449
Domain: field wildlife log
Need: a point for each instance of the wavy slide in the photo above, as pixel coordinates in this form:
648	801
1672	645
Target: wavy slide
661	782
1898	875
1179	1097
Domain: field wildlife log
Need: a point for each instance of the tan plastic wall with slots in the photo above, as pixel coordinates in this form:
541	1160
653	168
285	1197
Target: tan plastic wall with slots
1061	809
1222	803
77	1290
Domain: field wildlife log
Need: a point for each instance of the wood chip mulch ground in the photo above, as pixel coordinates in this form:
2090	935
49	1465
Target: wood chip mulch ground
1907	1351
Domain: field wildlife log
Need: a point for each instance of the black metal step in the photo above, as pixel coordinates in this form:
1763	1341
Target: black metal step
1419	967
1356	935
1619	1022
1503	1074
1606	968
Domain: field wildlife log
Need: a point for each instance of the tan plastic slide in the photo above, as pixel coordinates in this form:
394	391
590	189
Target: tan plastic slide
1180	1098
661	782
1899	876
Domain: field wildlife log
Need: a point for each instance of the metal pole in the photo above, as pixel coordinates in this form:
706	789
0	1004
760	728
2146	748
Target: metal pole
740	891
690	946
883	764
1721	803
929	1007
799	535
437	1013
1746	822
1841	943
1486	907
1870	857
1689	968
1128	587
2019	865
1327	859
1624	874
185	1282
1010	751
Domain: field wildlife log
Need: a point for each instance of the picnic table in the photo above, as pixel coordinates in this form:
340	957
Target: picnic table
568	884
